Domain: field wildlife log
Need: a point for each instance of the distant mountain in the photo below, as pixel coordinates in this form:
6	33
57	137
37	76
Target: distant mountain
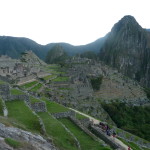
72	50
127	48
14	46
148	30
56	55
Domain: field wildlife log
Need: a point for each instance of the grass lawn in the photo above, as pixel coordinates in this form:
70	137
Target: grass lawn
18	111
2	82
61	79
49	77
34	100
28	85
1	108
86	142
131	144
54	129
16	92
79	116
36	88
53	107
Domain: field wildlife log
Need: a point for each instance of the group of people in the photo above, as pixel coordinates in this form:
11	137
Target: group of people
106	128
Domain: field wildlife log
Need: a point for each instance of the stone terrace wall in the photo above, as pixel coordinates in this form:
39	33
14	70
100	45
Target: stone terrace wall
86	122
82	127
16	97
104	137
25	79
4	89
64	114
39	107
132	138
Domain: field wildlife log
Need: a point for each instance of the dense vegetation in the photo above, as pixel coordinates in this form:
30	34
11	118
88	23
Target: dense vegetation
96	82
89	54
147	91
56	55
134	119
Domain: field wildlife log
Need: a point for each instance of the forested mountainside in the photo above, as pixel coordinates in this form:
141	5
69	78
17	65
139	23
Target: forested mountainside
127	48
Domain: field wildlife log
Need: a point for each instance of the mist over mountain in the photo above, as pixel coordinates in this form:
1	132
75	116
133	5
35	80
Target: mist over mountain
127	48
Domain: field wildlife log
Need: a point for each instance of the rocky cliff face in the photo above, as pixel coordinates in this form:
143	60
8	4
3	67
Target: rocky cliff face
127	48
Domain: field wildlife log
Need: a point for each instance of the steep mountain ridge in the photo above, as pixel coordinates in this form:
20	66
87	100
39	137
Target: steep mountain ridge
127	48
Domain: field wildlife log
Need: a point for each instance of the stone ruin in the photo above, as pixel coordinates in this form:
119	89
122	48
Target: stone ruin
24	69
7	96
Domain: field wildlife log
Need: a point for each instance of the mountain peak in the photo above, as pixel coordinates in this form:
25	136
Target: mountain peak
128	22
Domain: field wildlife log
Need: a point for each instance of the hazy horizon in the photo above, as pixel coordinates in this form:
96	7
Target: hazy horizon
77	22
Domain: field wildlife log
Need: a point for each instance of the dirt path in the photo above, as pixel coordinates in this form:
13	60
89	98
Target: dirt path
95	121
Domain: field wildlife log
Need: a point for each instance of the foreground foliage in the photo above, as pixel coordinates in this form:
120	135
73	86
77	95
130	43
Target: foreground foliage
134	119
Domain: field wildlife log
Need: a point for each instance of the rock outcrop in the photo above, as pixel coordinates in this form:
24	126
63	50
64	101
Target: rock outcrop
127	48
35	142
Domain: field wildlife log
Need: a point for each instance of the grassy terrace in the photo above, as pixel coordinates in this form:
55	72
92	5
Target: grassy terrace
60	136
86	142
1	108
2	82
28	85
131	144
36	88
49	77
34	100
18	111
16	92
53	107
61	79
80	117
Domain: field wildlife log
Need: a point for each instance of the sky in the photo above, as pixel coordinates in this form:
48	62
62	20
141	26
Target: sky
77	22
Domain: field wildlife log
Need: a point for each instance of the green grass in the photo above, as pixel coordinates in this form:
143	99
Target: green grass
145	148
86	142
16	92
133	119
34	100
49	77
79	116
1	107
61	79
28	85
131	144
53	107
13	143
2	82
18	111
36	88
60	136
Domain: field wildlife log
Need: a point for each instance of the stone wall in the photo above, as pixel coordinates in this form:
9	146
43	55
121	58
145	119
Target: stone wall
26	79
17	97
39	107
104	137
86	122
128	137
78	123
4	89
64	114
